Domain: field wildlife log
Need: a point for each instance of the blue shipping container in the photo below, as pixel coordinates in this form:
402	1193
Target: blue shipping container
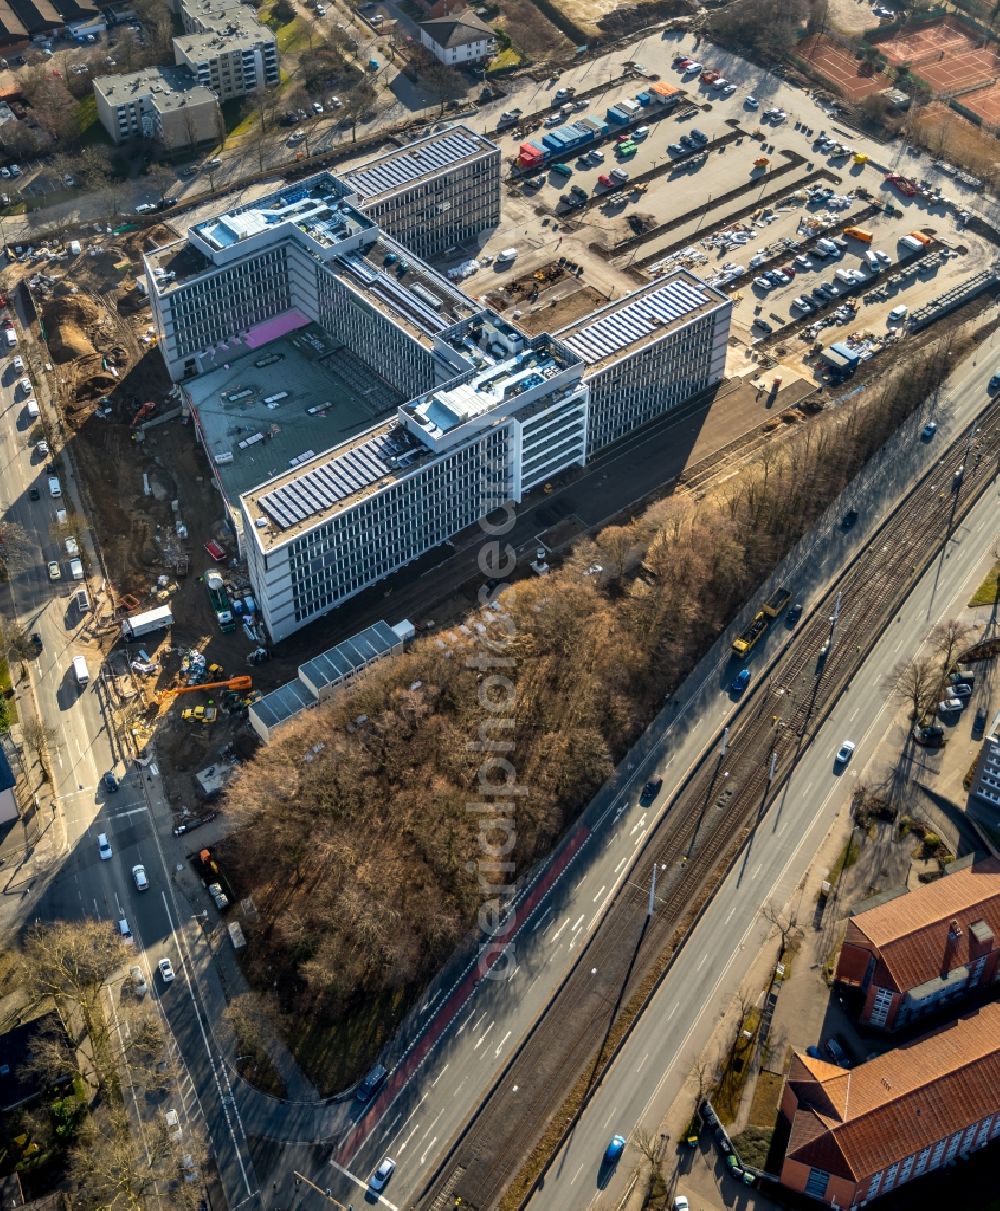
642	98
618	115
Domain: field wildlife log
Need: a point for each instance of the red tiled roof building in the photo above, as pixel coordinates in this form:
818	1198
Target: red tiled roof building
932	946
861	1133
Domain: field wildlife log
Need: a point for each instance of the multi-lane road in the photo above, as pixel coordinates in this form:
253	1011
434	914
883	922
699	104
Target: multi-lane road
76	882
429	1103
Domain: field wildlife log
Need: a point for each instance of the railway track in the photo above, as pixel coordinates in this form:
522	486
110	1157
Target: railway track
702	833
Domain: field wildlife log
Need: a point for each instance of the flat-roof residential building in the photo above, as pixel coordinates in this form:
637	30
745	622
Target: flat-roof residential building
226	47
986	777
162	103
434	194
862	1133
918	950
359	410
462	38
647	352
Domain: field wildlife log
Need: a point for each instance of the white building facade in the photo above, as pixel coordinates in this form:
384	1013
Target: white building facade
490	414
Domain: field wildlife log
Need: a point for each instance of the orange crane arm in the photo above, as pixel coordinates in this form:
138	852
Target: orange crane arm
243	682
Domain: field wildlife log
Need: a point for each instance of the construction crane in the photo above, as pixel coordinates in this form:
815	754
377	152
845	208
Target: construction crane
242	682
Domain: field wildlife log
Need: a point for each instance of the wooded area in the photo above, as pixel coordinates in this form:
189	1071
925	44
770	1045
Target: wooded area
361	839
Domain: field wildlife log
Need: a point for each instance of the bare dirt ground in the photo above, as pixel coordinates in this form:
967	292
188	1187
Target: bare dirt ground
851	16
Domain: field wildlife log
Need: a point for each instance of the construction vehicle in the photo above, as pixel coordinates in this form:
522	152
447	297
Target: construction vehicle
145	410
200	714
777	602
240	682
750	636
221	604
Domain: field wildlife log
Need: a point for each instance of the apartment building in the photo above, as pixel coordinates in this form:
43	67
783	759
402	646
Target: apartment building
165	104
226	48
859	1134
649	351
435	194
359	410
986	777
463	38
913	952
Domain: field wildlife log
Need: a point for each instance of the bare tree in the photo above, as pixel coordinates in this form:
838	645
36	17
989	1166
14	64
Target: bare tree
16	643
775	915
914	682
17	549
948	638
38	739
358	103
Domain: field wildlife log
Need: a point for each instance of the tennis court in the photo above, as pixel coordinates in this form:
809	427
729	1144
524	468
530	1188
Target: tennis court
956	72
985	102
928	43
841	68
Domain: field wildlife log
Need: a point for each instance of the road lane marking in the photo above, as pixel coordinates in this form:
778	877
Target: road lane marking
502	1041
599	894
704	960
538	923
483	1036
440	1075
423	1155
402	1147
370	1193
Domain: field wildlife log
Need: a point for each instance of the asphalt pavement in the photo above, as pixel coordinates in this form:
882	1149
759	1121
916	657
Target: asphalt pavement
427	1105
651	1069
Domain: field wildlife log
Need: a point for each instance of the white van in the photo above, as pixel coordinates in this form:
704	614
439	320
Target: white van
505	255
55	487
845	276
872	261
72	547
828	247
76	569
31	407
81	672
82	600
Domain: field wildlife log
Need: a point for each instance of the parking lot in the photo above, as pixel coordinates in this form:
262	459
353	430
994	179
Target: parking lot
710	203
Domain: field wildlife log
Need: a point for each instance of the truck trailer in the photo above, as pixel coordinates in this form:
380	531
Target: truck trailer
221	604
145	624
750	636
777	602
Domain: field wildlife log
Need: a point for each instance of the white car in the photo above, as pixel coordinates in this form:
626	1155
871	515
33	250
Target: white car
55	571
139	874
692	69
751	102
145	208
19	362
103	846
173	1121
380	1177
898	313
138	981
681	1203
597	156
845	752
26	385
318	108
166	970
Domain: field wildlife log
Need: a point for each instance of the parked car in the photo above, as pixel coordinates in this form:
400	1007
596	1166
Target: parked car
803	262
929	737
103	846
740	682
55	572
961	690
111	782
949	704
138	981
751	102
835	1050
928	431
763	325
650	791
979	723
166	970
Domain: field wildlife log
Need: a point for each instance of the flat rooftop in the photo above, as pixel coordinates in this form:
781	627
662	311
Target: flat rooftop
226	17
315	207
327	397
166	87
295	501
395	282
636	319
448	407
415	162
